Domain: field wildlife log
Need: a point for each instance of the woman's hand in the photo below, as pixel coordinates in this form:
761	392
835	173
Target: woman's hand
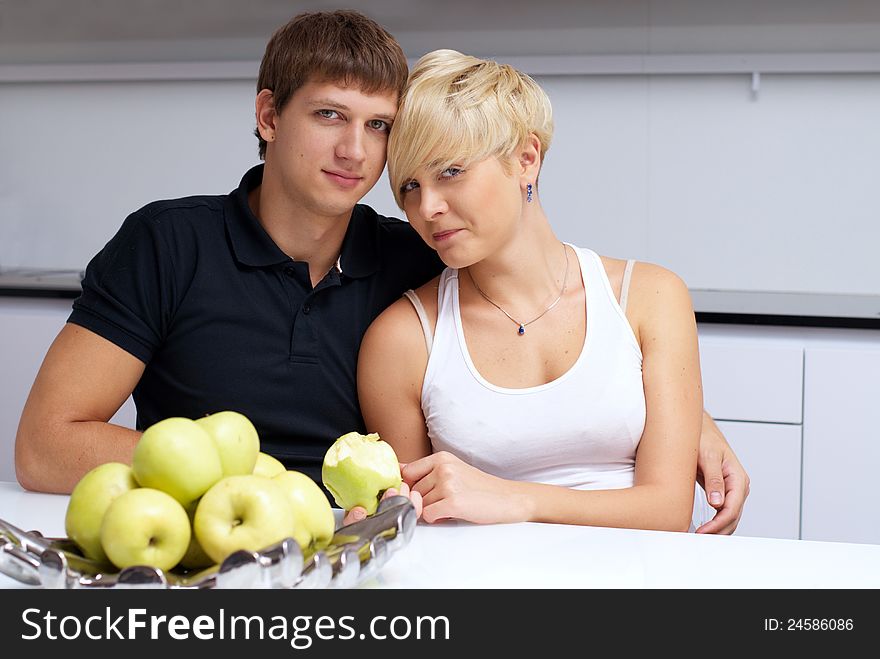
452	489
357	513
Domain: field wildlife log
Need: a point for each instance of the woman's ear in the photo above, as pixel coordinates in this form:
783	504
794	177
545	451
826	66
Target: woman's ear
265	111
530	157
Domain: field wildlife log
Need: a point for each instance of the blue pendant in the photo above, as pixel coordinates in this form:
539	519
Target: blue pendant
521	330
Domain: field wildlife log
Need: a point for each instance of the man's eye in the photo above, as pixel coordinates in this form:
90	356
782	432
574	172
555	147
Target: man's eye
451	172
409	186
328	114
378	124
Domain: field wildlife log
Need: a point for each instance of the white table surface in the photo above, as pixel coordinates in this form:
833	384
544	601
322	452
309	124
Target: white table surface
458	555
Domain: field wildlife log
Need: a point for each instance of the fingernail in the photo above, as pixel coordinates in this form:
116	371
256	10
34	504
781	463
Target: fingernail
715	497
359	514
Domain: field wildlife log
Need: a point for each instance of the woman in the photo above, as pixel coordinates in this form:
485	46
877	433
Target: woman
533	380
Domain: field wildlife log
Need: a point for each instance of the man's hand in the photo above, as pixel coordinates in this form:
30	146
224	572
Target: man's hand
723	477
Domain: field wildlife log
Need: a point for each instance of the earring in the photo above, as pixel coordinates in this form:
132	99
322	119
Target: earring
529	193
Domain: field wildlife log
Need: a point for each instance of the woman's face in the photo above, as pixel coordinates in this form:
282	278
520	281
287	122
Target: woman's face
465	213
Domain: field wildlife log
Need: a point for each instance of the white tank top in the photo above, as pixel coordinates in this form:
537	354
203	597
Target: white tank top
581	430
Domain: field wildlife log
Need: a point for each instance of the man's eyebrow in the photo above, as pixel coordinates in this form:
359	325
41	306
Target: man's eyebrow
330	103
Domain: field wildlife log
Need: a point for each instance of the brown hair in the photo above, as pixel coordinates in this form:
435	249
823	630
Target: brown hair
340	46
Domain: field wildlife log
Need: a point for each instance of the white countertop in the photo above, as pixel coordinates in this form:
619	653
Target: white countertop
457	555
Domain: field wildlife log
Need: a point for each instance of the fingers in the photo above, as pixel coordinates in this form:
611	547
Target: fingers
724	523
415	471
728	516
356	514
711	477
435	512
714	486
413	495
416	498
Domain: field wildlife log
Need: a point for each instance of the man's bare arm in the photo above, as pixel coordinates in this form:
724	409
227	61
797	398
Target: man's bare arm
64	430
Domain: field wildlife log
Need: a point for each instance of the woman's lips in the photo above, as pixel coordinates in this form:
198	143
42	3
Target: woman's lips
444	235
344	180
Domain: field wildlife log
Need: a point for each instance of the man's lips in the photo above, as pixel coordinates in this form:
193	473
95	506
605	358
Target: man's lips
444	235
344	179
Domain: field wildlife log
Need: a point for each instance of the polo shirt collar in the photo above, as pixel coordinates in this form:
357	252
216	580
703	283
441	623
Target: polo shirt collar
252	246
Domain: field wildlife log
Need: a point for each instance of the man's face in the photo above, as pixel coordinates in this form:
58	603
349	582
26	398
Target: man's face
329	146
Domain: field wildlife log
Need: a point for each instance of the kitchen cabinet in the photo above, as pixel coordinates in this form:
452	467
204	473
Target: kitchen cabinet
807	435
841	444
771	454
753	389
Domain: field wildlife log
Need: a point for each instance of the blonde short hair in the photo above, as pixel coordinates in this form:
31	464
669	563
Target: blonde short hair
457	109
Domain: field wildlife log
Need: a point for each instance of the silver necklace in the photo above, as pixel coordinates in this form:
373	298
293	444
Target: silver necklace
521	327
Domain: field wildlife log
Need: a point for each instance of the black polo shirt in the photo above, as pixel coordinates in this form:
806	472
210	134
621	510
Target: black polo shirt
223	319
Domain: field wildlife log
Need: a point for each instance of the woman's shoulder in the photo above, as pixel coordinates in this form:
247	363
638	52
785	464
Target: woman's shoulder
653	279
654	291
401	319
645	276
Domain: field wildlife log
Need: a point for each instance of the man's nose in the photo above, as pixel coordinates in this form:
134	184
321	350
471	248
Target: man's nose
351	145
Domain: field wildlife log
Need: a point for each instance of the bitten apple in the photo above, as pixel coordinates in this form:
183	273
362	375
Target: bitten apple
236	440
358	468
89	501
145	527
267	466
243	512
177	456
313	514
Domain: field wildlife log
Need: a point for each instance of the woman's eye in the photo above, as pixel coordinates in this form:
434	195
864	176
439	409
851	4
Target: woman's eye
451	172
328	114
378	124
409	186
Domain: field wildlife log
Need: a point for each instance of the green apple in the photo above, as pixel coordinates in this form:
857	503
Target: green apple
358	468
177	456
243	512
145	527
267	466
195	557
89	501
312	512
236	440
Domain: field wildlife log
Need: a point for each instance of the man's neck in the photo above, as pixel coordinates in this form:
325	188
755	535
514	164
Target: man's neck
303	236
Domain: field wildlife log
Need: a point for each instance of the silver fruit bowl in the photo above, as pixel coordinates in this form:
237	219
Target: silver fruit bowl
357	552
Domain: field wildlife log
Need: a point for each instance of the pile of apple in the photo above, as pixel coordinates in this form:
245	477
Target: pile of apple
196	491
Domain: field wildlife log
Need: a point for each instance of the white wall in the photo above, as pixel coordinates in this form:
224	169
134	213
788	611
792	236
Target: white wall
77	158
731	189
774	191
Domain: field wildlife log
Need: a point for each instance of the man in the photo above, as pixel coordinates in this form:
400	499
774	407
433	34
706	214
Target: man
257	301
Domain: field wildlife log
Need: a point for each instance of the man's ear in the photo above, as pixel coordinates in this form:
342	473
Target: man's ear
265	111
530	157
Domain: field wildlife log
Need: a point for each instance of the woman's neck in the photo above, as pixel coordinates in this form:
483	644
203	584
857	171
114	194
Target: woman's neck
526	273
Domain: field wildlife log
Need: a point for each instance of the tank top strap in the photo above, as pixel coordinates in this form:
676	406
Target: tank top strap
423	317
624	289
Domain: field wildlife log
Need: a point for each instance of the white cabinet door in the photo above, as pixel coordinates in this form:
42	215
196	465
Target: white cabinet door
841	444
750	381
771	454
